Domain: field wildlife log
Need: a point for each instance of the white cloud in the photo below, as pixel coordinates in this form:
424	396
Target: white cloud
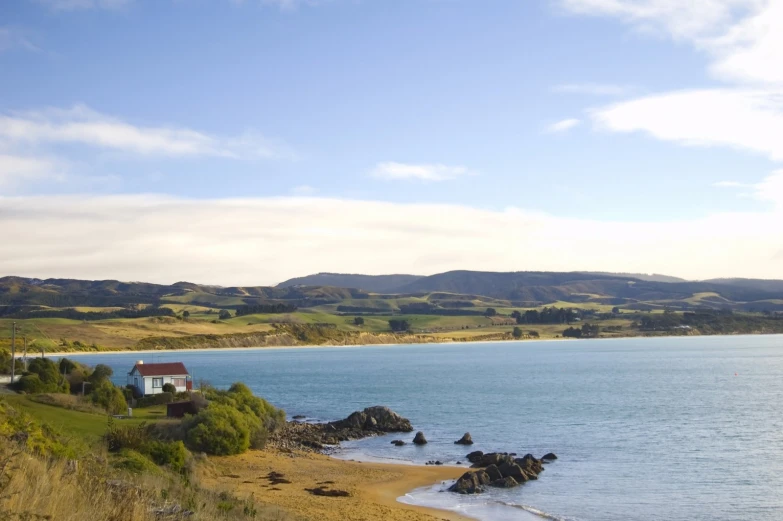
81	125
424	172
562	126
121	237
770	189
16	170
593	89
745	119
74	5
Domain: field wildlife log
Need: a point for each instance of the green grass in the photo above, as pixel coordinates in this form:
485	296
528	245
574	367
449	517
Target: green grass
77	424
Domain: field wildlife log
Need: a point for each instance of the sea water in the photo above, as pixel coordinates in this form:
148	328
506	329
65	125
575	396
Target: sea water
674	429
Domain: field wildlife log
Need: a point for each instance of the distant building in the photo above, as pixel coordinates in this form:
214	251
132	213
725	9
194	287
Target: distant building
150	378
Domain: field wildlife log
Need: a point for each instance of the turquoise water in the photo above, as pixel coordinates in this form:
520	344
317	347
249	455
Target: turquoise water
674	429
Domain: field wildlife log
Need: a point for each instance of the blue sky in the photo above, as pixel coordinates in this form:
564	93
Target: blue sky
539	119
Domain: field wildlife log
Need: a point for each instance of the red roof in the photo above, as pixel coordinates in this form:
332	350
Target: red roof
166	369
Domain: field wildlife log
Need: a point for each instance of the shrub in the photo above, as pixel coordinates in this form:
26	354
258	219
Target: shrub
119	437
218	429
136	462
169	388
171	454
48	378
111	398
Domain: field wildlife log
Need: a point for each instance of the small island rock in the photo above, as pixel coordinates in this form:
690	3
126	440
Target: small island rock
464	440
398	443
549	457
419	439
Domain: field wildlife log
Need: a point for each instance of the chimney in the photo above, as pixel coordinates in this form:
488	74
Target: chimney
140	362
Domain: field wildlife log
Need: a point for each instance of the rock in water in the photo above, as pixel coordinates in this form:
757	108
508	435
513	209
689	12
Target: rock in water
549	457
475	457
378	418
493	472
419	439
508	482
464	440
398	443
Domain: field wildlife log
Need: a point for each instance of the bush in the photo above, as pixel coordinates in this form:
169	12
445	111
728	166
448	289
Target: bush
136	462
171	454
42	376
119	437
111	398
218	429
169	388
30	384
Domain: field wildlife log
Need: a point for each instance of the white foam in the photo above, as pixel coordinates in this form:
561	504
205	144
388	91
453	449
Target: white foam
481	507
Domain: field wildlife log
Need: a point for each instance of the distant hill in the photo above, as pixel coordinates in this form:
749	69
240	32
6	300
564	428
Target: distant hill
515	289
649	277
370	283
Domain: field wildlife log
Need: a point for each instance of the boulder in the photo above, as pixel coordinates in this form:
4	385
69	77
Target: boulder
464	440
494	473
494	458
549	457
475	457
467	484
508	482
530	464
419	439
398	443
512	470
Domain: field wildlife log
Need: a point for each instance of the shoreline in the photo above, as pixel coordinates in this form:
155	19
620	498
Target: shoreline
32	354
373	488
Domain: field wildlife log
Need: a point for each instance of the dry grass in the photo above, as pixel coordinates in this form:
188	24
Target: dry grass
32	489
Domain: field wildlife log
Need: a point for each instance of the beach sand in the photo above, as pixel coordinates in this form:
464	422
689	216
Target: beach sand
374	487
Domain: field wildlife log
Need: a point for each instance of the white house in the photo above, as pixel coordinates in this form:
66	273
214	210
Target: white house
150	378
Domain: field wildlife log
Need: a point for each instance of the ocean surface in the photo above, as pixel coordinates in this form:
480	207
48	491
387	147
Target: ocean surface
674	429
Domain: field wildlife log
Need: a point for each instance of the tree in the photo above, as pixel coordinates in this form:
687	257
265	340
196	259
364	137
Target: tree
224	314
516	315
169	388
358	321
101	373
490	312
111	398
186	314
517	333
399	326
616	310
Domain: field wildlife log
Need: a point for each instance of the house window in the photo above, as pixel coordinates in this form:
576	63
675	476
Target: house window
178	382
157	382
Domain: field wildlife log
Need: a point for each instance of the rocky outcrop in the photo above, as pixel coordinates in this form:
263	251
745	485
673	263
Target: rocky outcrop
318	437
374	419
549	457
419	439
475	456
502	470
464	440
471	483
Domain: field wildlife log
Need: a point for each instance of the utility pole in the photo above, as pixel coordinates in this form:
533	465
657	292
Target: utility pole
13	351
25	353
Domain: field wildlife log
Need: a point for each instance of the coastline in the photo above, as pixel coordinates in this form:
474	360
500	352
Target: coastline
373	487
32	354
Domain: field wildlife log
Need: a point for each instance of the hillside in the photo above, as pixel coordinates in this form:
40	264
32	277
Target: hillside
369	283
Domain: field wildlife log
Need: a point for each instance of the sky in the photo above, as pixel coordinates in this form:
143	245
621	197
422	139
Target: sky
245	142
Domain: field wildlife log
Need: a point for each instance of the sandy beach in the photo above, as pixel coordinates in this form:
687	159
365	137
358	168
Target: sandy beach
373	487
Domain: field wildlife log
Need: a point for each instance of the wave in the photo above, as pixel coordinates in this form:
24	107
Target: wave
535	511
